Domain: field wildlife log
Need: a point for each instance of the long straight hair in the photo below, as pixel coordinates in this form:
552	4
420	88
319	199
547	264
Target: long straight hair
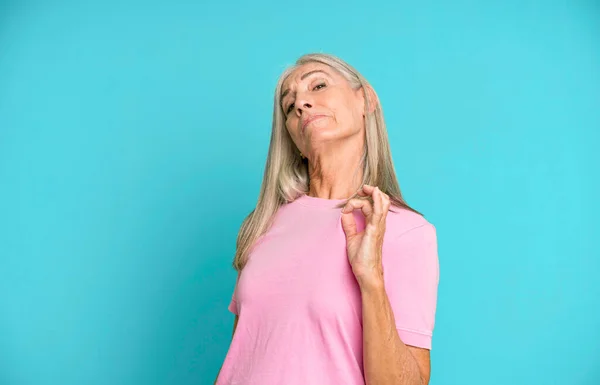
286	175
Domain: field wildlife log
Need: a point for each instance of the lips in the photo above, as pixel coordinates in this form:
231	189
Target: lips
310	119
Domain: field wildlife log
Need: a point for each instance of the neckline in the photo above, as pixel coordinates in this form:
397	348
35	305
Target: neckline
307	200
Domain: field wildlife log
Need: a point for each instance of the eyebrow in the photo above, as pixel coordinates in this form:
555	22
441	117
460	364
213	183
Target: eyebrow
284	93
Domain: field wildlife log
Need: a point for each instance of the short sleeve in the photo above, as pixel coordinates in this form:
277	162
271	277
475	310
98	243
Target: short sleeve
233	305
411	277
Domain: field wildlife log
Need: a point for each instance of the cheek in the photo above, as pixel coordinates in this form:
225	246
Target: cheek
291	123
353	110
340	106
343	112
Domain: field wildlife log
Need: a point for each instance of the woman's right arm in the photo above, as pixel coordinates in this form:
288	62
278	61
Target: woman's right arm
235	322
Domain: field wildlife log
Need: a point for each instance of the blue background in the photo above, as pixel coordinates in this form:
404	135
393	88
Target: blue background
133	137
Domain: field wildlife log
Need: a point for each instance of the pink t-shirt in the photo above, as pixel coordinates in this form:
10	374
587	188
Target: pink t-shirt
299	305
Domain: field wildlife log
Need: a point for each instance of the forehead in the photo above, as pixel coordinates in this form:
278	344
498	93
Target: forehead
304	68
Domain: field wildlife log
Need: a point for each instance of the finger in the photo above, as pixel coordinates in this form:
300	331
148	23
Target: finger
365	190
363	204
386	200
383	203
379	204
348	224
373	192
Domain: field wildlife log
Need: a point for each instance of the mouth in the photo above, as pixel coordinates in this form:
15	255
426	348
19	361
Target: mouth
310	120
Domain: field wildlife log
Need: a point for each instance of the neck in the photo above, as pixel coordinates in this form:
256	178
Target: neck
335	174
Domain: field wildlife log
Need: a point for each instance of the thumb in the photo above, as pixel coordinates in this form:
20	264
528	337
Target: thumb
349	224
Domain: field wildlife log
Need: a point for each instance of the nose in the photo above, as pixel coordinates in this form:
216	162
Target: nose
302	103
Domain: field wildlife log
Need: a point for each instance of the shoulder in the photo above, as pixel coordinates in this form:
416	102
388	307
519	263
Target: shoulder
410	245
403	222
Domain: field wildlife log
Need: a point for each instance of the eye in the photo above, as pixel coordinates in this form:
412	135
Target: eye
317	87
289	108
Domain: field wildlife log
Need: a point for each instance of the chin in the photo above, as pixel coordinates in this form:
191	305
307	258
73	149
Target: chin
324	132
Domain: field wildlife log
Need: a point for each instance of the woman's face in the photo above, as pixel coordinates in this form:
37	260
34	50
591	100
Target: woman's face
318	103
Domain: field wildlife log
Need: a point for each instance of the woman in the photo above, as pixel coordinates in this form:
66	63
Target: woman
335	286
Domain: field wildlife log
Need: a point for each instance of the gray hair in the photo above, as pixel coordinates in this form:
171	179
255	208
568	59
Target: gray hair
286	174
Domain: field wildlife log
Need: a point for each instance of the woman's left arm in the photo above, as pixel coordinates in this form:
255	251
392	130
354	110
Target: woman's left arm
386	359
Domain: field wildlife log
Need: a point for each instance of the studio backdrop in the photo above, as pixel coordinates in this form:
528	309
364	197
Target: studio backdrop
133	139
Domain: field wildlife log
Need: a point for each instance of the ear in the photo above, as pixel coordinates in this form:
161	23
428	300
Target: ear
373	99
